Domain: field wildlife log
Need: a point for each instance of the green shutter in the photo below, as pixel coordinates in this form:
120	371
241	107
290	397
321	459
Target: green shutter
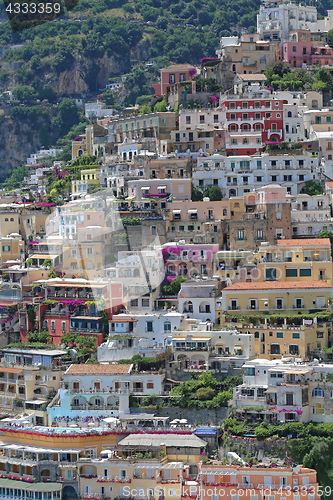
295	335
305	272
279	335
291	273
270	273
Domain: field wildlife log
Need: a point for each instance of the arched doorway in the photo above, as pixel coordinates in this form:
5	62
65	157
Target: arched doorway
69	493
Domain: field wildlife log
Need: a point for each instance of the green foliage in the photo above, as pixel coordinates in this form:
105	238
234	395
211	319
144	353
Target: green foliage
83	344
24	93
131	221
312	188
145	363
31	313
160	107
42	337
173	287
196	194
330	36
16	176
203	392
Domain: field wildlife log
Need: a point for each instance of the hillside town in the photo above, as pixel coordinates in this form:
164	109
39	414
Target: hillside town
166	296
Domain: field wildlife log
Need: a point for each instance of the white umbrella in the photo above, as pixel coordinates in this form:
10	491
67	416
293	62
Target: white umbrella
175	421
73	425
110	420
91	424
183	421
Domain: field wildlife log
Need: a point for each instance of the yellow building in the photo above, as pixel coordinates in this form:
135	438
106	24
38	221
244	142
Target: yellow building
273	341
11	248
85	145
10	221
89	178
259	297
147	465
295	260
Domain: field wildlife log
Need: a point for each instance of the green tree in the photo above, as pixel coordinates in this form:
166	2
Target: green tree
24	93
205	393
196	194
312	188
173	287
214	193
160	107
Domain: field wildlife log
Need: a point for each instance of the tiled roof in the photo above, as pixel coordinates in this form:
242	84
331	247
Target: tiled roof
98	369
303	243
268	285
329	184
10	370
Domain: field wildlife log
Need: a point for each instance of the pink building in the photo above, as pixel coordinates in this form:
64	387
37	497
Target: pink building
301	51
175	73
189	260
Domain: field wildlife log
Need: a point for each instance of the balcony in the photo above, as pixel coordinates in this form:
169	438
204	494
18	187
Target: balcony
245	485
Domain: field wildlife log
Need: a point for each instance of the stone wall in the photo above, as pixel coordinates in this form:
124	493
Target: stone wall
199	417
245	447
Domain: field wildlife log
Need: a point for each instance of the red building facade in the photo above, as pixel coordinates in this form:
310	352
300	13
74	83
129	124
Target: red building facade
252	123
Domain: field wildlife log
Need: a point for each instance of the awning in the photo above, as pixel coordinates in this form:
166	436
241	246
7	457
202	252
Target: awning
43	256
161	187
176	211
37	401
295	372
271	390
145	188
195	211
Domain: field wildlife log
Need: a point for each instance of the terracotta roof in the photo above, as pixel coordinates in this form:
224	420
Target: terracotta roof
309	242
10	370
329	184
267	285
98	369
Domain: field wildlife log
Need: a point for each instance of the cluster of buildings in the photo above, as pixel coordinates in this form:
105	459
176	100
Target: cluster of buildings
193	240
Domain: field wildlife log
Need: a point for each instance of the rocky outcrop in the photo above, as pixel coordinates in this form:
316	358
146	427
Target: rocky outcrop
86	75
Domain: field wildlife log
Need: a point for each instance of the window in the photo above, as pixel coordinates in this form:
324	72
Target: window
153	230
318	392
188	120
260	234
279	335
182	77
289	399
291	273
295	335
145	302
171	78
270	274
305	272
240	234
275	349
294	349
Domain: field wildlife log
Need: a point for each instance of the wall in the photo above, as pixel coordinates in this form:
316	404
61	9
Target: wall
193	416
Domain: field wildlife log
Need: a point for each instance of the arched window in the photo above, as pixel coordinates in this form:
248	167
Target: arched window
289	114
167	326
318	393
294	48
225	212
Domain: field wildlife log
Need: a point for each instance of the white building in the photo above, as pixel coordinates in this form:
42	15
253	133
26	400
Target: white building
211	349
310	214
97	110
96	390
237	175
277	18
197	299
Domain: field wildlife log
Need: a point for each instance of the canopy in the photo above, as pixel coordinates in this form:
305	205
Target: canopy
110	420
